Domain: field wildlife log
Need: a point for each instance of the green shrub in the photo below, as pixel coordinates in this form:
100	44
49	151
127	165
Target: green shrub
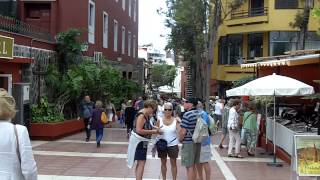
45	112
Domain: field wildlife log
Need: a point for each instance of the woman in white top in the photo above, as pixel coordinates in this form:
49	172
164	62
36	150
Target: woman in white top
17	161
169	126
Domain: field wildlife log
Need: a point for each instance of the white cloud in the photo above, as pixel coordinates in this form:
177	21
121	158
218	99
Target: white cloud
151	24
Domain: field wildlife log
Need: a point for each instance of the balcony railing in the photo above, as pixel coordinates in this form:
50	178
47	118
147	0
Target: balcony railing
15	26
253	12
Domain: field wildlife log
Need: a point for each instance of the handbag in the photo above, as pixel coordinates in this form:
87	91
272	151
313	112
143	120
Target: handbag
161	145
104	118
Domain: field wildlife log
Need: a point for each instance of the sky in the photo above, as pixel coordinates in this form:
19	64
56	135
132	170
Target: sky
151	24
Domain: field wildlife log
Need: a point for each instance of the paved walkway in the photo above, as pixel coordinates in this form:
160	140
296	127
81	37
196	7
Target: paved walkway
72	158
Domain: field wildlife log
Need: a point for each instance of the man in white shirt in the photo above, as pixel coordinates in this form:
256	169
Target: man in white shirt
234	130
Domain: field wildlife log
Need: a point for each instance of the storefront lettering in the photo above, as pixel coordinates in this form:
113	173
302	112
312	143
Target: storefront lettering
6	47
4	51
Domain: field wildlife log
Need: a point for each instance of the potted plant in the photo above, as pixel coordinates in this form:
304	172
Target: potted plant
48	124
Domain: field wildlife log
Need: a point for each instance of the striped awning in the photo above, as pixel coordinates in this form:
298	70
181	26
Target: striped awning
288	61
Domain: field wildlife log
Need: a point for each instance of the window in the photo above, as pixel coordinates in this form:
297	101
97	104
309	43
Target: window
255	45
115	35
230	49
312	41
129	43
281	41
134	47
223	50
91	22
286	4
235	48
129	8
135	10
130	75
124	5
97	56
124	74
123	38
105	29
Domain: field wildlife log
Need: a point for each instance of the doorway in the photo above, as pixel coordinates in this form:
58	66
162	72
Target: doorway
6	82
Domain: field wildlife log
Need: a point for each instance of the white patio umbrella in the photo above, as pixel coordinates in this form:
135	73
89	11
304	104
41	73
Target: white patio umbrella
272	85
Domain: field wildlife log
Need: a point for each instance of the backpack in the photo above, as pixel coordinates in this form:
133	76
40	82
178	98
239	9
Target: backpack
104	118
201	130
212	126
87	111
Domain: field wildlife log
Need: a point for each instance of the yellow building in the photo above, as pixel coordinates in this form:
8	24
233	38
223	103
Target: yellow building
258	28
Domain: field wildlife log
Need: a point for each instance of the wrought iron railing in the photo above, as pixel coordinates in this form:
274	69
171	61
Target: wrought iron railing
261	11
16	26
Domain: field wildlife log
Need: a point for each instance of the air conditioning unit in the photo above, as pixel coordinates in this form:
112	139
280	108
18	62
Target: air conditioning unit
97	57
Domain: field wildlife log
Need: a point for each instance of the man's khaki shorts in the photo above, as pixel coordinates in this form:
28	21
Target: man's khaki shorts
190	154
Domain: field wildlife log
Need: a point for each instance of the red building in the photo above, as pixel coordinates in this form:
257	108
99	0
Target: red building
110	29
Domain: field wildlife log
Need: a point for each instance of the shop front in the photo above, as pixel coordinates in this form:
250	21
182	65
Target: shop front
294	115
6	54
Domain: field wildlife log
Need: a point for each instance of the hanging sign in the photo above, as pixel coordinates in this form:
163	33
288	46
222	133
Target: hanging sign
6	47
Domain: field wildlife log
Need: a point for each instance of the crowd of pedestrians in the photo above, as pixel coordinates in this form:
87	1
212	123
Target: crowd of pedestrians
170	122
176	122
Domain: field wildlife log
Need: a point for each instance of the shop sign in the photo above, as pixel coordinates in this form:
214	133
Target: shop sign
6	47
307	155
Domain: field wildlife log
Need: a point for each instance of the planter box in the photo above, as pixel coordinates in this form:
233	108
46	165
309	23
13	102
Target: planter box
52	131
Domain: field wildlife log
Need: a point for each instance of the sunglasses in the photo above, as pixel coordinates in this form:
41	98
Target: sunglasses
167	109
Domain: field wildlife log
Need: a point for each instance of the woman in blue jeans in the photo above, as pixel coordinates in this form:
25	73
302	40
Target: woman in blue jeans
96	122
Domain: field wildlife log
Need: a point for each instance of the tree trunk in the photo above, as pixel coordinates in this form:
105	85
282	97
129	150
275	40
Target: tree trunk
212	36
304	27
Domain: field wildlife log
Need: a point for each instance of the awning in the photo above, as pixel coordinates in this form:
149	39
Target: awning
288	61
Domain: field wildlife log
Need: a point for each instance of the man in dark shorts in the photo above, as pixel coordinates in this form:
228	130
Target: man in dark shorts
190	151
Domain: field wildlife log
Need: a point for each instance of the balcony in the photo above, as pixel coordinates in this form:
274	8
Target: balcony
15	26
252	16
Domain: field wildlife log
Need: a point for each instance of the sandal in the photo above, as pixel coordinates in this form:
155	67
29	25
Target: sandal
231	155
250	154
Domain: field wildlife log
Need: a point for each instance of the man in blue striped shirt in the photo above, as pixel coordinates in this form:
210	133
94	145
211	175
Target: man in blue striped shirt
190	151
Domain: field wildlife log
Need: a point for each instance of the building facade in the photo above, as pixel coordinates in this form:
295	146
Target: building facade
109	28
258	28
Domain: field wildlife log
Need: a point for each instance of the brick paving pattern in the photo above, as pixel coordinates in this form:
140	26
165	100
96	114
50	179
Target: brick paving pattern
72	158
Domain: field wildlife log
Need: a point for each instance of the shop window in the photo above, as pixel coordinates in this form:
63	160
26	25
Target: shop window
282	41
286	4
255	45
